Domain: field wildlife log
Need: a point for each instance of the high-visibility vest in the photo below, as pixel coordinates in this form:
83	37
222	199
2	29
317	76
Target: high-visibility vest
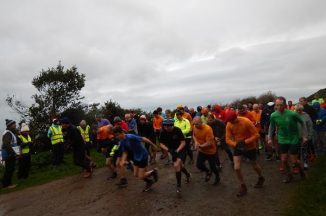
56	136
28	141
85	133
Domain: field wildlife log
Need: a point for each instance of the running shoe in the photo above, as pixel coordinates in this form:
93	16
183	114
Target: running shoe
282	169
178	190
155	174
208	176
260	146
10	186
93	164
191	162
87	174
268	157
113	176
148	186
288	179
188	177
305	165
295	170
217	180
260	182
122	183
243	190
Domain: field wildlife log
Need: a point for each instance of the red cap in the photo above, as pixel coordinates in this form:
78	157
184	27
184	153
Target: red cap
230	116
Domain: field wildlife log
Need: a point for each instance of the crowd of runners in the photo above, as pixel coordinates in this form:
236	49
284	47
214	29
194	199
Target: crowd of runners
278	130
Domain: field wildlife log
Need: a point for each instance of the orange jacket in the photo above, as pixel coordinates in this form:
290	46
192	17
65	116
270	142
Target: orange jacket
242	129
247	115
157	122
103	133
257	116
204	135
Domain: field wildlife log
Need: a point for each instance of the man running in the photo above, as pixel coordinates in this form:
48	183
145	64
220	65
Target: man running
285	122
218	127
205	144
185	127
145	129
172	140
242	135
78	146
131	143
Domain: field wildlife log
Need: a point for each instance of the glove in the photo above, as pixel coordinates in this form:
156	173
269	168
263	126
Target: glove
318	122
240	146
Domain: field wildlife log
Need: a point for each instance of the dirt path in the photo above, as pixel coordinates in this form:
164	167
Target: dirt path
97	196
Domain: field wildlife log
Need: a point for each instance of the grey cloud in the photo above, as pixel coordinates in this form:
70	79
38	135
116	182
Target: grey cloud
151	53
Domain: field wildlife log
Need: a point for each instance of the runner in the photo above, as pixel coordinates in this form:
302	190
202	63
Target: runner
173	141
241	134
145	129
131	143
204	115
243	112
185	127
256	114
132	124
157	125
320	128
205	144
265	121
219	112
285	122
76	140
218	127
307	148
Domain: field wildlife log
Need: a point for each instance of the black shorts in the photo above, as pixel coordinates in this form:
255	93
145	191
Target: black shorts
292	149
181	155
141	164
250	154
109	144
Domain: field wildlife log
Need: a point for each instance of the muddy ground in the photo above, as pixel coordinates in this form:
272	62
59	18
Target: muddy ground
98	196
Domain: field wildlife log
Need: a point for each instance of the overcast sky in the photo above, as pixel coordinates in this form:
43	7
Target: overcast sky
149	53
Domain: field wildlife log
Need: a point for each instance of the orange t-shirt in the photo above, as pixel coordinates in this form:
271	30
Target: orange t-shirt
242	129
103	133
257	116
157	122
187	116
204	135
247	115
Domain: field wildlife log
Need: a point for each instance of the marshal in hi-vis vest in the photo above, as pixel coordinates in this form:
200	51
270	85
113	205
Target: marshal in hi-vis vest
85	133
56	136
27	141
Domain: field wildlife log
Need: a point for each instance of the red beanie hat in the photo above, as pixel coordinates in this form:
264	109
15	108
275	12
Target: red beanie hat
230	116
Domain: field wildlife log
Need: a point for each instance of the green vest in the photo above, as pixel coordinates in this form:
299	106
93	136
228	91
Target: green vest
25	149
85	133
56	136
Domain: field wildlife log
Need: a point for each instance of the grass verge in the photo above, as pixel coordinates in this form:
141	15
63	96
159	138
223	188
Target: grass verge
42	175
309	197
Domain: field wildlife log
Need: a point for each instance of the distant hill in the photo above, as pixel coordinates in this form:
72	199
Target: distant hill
321	93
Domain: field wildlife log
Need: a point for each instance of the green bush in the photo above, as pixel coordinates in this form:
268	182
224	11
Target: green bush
42	159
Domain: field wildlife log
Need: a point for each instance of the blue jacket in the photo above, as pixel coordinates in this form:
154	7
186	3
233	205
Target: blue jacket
320	122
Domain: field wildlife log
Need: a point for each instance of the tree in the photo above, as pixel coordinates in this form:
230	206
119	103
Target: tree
58	89
58	92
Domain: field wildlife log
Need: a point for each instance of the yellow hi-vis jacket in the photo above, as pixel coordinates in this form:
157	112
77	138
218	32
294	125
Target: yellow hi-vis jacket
85	133
56	135
26	141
